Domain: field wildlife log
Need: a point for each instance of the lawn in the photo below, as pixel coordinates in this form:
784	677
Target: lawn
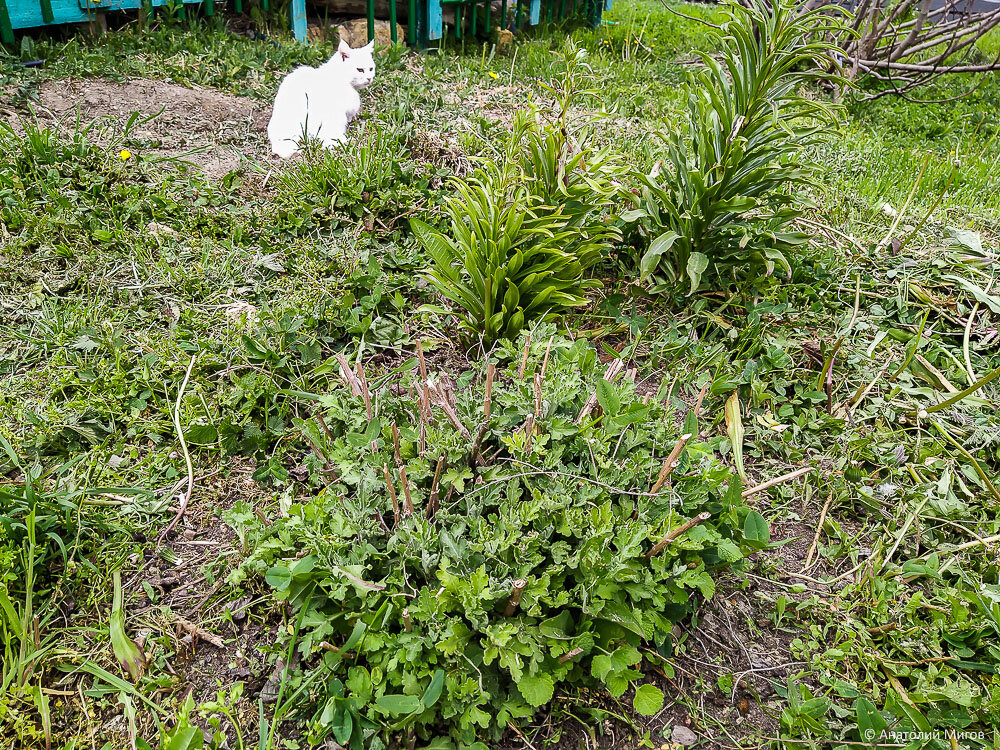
258	489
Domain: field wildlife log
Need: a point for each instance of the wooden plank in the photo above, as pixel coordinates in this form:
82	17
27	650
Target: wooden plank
299	20
608	4
392	20
24	14
371	20
411	25
534	12
47	11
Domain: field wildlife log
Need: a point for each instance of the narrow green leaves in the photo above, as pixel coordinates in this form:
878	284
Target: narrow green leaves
734	428
128	654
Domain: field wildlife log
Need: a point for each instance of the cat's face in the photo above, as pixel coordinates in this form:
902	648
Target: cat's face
359	62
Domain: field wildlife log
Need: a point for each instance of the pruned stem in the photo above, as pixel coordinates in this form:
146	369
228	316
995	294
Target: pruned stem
672	535
670	463
392	494
491	371
407	500
515	597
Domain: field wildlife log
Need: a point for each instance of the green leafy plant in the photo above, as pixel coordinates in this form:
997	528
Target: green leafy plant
533	558
727	198
524	231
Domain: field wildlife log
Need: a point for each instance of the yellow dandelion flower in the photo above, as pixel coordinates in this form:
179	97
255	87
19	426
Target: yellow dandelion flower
493	75
125	154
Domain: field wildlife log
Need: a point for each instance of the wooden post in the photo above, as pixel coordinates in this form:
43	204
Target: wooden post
6	28
298	11
371	20
411	23
47	11
392	21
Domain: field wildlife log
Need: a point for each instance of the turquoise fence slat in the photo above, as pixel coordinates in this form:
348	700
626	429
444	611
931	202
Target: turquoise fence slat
298	11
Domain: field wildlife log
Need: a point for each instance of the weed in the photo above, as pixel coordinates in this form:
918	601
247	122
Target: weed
725	204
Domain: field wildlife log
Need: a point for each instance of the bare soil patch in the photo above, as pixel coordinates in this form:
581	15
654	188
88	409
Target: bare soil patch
210	129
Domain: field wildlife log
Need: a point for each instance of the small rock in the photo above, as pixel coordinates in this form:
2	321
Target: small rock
156	229
683	736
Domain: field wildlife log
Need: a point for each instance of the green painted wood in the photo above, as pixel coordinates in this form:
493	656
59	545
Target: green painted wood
47	11
411	26
238	5
208	7
392	21
6	29
503	14
517	13
371	20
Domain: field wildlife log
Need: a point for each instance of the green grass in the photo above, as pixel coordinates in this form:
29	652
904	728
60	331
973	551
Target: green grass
115	272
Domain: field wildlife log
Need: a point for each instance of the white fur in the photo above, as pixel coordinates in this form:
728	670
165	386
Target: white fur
320	103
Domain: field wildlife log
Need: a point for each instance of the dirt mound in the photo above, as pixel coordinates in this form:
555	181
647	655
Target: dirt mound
208	128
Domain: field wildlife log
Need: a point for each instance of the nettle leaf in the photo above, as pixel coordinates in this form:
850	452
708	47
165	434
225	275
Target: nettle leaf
648	700
607	397
278	577
871	723
398	705
201	434
728	551
756	530
537	689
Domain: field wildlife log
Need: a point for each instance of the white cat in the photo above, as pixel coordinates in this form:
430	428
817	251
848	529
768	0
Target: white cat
320	102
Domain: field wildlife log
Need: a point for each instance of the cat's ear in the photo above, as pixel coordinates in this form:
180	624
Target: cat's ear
344	50
370	47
